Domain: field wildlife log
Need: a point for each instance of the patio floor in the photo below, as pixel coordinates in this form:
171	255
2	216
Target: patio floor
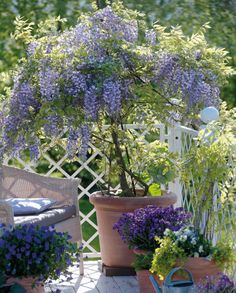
94	281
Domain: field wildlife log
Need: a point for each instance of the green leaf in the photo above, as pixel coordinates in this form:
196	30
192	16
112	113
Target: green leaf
154	189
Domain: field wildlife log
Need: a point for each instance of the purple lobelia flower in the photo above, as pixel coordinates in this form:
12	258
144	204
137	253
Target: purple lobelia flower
38	252
139	228
216	284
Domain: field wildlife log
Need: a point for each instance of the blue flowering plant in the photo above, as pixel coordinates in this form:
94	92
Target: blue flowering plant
38	252
110	69
188	242
216	284
139	228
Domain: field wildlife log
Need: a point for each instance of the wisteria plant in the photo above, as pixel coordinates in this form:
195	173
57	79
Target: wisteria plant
38	252
110	69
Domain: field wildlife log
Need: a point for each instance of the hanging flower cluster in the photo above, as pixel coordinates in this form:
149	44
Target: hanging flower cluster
99	69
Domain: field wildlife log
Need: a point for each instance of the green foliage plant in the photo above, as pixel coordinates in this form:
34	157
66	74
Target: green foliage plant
209	170
142	262
224	256
165	256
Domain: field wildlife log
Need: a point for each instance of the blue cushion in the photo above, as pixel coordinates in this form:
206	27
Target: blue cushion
30	206
47	218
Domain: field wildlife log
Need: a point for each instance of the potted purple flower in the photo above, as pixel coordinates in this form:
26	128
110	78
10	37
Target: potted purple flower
138	230
95	78
30	255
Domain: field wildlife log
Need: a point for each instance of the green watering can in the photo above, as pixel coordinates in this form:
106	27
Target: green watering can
180	286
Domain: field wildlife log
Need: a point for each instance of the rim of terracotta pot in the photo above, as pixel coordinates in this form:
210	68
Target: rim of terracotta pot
138	251
115	202
199	260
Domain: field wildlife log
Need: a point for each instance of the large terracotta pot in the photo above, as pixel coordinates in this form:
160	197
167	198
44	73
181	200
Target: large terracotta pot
201	267
27	284
114	251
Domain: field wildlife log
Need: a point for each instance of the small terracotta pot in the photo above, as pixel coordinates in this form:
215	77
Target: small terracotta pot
145	284
201	267
114	251
27	284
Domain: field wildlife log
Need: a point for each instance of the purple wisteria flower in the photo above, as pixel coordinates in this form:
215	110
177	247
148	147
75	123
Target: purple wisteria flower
138	229
192	85
112	95
52	127
49	85
102	70
216	284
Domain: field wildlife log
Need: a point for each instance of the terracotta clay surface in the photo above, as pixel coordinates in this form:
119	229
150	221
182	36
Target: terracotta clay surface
145	285
27	284
201	267
114	251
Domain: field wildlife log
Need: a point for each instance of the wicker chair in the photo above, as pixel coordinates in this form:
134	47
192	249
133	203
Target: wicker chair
6	214
17	183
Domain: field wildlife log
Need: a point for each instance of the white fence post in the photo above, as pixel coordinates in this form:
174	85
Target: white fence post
175	145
